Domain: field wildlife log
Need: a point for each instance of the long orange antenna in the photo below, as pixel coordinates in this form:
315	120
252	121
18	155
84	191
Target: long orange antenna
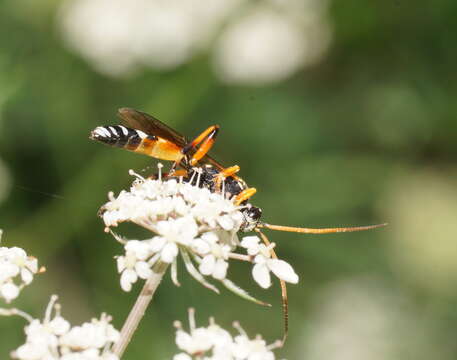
319	231
285	301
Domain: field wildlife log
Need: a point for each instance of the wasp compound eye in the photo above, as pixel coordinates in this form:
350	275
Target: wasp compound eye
254	213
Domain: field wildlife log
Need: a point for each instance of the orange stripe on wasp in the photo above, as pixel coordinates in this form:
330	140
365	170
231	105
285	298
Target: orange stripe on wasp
146	135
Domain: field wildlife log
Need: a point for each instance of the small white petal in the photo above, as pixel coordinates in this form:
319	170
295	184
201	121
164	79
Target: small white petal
200	246
237	218
265	251
18	252
188	229
283	270
164	227
182	356
59	325
32	264
241	347
141	249
32	351
8	270
198	342
229	238
128	277
226	222
143	270
260	259
26	276
210	237
120	263
157	243
207	265
221	338
261	275
9	291
251	243
169	252
220	269
183	340
180	206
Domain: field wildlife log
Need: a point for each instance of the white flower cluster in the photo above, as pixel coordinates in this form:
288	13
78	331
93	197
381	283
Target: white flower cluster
250	42
16	271
55	339
187	219
215	343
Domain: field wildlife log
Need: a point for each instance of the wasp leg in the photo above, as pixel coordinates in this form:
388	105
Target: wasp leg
285	300
173	168
223	174
177	173
205	146
244	195
206	139
173	174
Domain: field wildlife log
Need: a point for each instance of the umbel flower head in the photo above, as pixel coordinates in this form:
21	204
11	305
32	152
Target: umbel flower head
215	343
53	338
16	271
192	221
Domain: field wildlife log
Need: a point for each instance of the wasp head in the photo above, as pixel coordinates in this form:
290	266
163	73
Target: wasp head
251	218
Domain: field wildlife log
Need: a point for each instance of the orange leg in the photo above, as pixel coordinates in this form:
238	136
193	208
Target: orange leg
174	173
223	174
230	171
244	195
206	139
178	173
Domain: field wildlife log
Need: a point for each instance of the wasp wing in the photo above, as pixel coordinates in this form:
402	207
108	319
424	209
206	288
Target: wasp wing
152	126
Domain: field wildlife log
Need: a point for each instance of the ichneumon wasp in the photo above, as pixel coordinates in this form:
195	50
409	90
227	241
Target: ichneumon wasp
144	134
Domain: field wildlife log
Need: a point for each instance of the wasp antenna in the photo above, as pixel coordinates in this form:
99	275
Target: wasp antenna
285	300
319	231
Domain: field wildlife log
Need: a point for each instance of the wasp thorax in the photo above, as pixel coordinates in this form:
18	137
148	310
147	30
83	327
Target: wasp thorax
207	176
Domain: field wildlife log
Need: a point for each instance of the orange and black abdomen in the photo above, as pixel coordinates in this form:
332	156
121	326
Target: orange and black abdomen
137	141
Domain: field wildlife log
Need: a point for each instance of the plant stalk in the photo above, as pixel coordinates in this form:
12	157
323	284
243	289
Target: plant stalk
138	309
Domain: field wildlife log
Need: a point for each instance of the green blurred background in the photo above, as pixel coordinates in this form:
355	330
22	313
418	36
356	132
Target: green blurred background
348	117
